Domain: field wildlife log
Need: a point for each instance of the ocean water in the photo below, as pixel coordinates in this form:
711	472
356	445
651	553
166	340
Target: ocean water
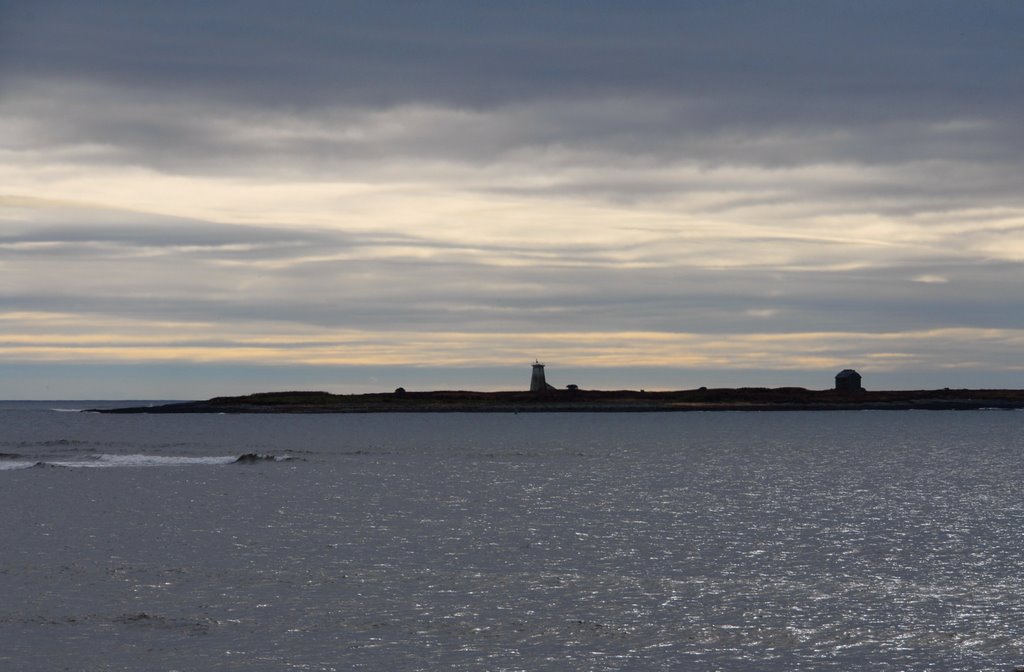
689	541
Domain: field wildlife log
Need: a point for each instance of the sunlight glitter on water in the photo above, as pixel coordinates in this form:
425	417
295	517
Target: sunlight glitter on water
795	542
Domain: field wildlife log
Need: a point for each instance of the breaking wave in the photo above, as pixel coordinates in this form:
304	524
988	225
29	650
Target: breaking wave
110	461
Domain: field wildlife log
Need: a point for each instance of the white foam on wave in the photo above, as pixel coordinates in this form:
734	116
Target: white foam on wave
7	465
101	461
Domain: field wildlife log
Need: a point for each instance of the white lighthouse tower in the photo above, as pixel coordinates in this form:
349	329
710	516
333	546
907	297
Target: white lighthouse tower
537	382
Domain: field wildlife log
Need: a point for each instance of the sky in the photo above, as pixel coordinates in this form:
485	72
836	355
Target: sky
206	198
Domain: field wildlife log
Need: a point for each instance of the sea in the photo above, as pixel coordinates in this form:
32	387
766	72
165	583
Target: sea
848	540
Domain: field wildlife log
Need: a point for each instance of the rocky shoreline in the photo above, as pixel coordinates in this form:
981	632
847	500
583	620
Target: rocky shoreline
596	401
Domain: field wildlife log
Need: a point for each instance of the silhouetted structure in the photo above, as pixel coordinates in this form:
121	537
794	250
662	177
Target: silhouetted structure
848	380
537	381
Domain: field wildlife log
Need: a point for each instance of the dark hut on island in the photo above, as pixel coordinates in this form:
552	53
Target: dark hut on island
848	380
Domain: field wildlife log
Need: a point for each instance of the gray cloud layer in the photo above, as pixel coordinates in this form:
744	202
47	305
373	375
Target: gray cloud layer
470	53
204	271
680	167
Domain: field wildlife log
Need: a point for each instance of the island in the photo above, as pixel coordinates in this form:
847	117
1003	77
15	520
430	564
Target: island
596	401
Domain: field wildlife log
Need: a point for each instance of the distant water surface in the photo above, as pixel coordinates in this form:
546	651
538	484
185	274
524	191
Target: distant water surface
697	541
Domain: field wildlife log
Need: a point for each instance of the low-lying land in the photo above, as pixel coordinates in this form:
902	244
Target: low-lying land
726	399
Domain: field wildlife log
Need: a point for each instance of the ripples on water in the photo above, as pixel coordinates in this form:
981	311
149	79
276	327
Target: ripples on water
704	541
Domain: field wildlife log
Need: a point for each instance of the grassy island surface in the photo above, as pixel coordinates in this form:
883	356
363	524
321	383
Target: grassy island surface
724	399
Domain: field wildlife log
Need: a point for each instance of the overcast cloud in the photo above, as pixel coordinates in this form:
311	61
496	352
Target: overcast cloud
342	190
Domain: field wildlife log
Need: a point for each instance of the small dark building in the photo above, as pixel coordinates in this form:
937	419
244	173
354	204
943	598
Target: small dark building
848	380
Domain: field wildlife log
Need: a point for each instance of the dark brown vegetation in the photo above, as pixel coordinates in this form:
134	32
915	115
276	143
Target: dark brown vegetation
724	399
